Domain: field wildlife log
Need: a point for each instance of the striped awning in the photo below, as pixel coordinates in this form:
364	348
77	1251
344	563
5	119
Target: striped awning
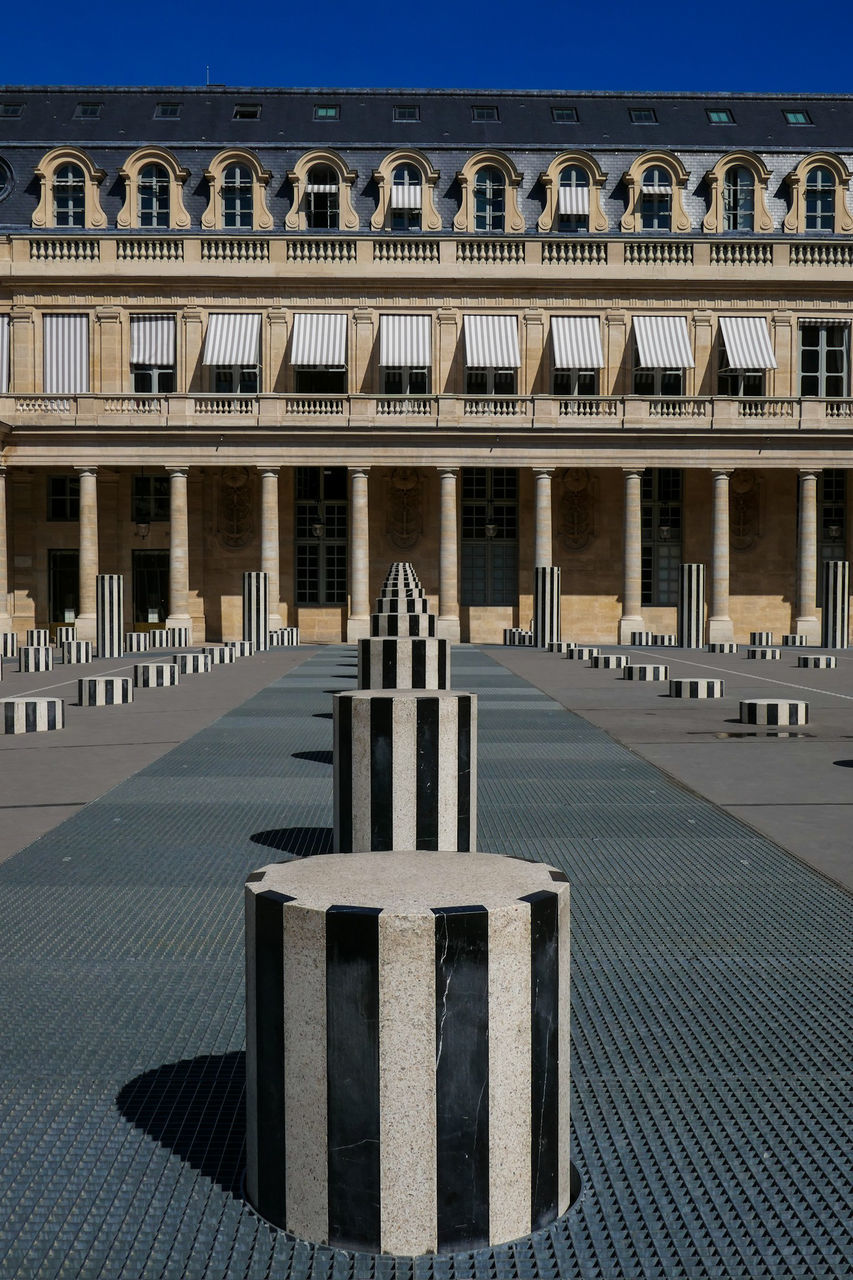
4	354
491	342
663	342
321	188
152	340
747	342
577	342
66	354
232	338
574	200
406	197
319	339
405	340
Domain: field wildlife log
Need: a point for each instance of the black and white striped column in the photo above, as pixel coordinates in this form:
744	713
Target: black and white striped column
256	609
691	606
76	651
109	612
179	637
159	639
405	770
104	691
38	637
820	661
8	644
64	634
721	646
546	605
645	671
407	1049
765	655
218	653
155	675
835	621
31	715
35	657
665	640
284	637
697	688
763	638
610	661
773	711
402	604
582	652
242	648
192	664
642	638
795	641
402	624
403	663
136	642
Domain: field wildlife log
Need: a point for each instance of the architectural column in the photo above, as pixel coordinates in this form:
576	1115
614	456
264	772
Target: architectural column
88	551
5	617
448	556
806	623
632	589
358	622
270	541
543	551
179	540
720	627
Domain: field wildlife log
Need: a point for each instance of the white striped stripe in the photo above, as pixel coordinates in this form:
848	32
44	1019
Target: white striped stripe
319	338
152	340
747	342
405	340
405	197
663	342
491	342
66	354
4	354
232	338
577	342
321	188
574	200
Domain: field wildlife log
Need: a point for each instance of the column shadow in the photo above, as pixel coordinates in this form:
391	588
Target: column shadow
299	842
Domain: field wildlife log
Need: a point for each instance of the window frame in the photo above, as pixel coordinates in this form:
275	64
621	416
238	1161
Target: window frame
129	215
408	373
157	374
483	499
574	390
489	200
241	379
635	112
213	218
403	119
490	375
728	115
149	499
73	215
44	215
296	217
56	499
657	375
659	554
822	373
88	111
154	197
311	504
485	113
324	111
167	111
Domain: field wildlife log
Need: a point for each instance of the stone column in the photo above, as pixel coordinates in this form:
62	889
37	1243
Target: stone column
806	623
270	541
88	551
179	569
720	628
632	589
448	557
544	547
5	617
358	622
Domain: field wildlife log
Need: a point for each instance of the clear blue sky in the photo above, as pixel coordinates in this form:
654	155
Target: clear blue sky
573	44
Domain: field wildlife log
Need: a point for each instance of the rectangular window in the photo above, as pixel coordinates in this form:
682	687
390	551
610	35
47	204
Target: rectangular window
824	360
405	381
575	382
661	535
489	536
63	586
167	111
490	382
484	113
88	111
327	111
797	117
642	115
743	383
564	115
149	499
235	380
407	115
656	382
150	587
321	535
63	497
719	115
247	111
318	380
11	110
150	379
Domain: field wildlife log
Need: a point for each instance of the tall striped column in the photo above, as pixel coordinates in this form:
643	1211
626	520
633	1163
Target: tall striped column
407	1049
691	606
546	605
835	625
256	609
404	663
405	770
109	610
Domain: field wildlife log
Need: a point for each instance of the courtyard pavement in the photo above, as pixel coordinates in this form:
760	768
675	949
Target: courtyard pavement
712	1017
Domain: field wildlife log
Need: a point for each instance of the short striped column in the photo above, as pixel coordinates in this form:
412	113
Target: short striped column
192	664
697	688
773	711
64	634
179	637
794	641
109	614
136	642
518	636
285	637
761	638
159	639
721	646
664	640
405	770
155	675
76	651
242	648
765	655
104	691
546	604
35	657
407	1049
38	637
218	653
402	624
32	715
645	671
610	661
406	663
642	638
691	606
256	610
561	646
820	661
582	652
8	644
402	604
835	619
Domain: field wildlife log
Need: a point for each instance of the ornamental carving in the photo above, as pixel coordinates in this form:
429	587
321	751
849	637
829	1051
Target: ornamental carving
577	509
404	521
235	522
745	510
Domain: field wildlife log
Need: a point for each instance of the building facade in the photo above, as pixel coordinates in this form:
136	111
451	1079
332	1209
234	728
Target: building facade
312	332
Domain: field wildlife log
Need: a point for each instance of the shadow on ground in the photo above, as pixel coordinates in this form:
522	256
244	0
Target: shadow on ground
196	1108
319	757
301	842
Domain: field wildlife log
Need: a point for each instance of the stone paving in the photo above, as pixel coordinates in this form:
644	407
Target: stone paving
711	1009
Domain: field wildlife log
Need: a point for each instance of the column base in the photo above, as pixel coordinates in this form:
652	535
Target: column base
180	620
720	630
449	629
808	627
85	624
628	624
357	629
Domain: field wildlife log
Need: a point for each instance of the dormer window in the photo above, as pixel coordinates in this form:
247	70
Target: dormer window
739	199
719	115
406	198
322	199
489	199
327	111
642	115
484	114
797	117
820	200
69	197
153	196
407	115
167	111
88	111
573	199
656	199
564	115
247	111
237	197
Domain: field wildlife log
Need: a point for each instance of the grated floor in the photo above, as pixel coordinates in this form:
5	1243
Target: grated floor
711	1012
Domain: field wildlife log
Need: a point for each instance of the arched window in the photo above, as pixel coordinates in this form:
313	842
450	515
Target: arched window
322	198
573	199
489	199
739	199
820	200
237	196
153	196
406	198
656	199
69	196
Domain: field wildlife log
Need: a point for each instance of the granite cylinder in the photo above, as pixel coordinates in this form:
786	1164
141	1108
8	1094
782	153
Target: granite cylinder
109	613
33	657
155	675
773	711
691	606
403	663
285	636
104	691
192	664
38	637
402	624
645	671
76	651
256	609
835	618
407	1049
8	644
546	605
136	642
31	715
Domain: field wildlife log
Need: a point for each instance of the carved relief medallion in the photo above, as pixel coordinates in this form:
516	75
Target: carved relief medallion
235	521
404	520
577	509
745	509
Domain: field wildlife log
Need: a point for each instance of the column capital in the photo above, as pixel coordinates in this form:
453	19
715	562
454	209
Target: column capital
358	471
809	471
448	471
90	471
543	471
633	471
177	471
269	471
722	471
